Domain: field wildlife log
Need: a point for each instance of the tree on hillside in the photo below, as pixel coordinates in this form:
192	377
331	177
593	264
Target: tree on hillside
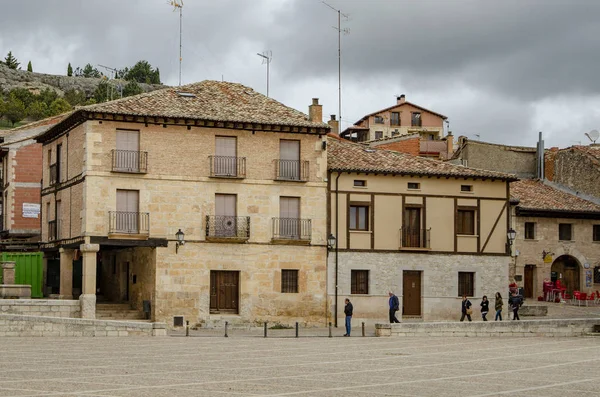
90	71
23	95
142	72
69	70
58	106
37	110
132	88
75	97
2	107
11	61
14	109
29	67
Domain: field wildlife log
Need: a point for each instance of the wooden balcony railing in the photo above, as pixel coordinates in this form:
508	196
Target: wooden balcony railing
292	229
227	167
122	222
129	161
291	170
53	174
414	238
228	227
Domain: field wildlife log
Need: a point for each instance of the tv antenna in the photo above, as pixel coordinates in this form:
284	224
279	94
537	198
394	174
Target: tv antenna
345	32
178	5
593	135
113	74
266	56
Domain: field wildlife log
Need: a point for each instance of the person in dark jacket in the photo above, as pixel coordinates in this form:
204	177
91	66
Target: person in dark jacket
498	306
485	307
466	306
394	304
515	303
348	312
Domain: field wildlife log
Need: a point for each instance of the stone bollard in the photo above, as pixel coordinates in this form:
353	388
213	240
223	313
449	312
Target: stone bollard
8	273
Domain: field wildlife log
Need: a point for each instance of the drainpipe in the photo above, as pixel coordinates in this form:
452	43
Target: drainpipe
337	244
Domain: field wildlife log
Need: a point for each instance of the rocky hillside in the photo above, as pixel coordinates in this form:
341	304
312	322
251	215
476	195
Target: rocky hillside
36	82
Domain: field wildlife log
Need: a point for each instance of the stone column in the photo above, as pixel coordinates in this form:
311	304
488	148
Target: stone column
8	273
88	293
66	274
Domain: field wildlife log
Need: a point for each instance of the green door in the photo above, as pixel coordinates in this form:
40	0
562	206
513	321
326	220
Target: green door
29	270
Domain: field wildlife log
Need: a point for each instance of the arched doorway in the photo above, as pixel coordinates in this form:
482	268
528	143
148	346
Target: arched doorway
566	269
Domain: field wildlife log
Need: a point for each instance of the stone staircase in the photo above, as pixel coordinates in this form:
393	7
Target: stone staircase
118	312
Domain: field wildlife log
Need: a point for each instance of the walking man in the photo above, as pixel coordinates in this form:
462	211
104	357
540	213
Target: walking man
394	307
348	312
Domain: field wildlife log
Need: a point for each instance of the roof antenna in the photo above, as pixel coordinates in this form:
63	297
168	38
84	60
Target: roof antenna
178	4
266	56
593	135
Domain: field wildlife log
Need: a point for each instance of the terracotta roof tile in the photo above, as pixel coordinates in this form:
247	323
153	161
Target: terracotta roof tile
535	195
209	100
31	130
343	155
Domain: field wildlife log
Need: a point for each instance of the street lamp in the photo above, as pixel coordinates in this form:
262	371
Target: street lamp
511	236
331	242
180	237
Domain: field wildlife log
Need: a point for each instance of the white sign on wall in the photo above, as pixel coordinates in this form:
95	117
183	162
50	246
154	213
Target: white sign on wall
31	210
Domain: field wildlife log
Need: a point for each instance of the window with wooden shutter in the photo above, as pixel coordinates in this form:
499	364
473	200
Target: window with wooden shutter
225	215
289	217
127	155
359	282
529	230
289	159
225	160
127	215
289	281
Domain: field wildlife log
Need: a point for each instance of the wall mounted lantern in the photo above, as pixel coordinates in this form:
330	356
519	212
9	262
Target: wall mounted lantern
180	236
511	236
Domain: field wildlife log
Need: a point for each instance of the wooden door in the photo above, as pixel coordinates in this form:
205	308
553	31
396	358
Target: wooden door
225	161
127	157
529	271
289	159
289	217
571	279
224	291
412	227
127	215
411	294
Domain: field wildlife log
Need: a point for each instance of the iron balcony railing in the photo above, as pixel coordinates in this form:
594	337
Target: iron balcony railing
291	170
53	230
53	174
129	161
123	222
414	238
292	229
227	166
224	226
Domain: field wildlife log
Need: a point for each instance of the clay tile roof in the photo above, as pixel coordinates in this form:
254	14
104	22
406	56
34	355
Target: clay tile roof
208	100
534	195
343	155
31	130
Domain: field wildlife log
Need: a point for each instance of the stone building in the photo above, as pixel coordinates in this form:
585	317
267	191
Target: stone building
427	230
441	149
205	201
576	167
20	185
403	118
558	237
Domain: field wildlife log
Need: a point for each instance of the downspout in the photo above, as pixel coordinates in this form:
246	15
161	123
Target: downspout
337	235
70	190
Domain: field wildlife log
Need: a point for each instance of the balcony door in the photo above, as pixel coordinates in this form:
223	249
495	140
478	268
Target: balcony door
127	215
225	163
225	215
289	159
411	232
289	217
127	156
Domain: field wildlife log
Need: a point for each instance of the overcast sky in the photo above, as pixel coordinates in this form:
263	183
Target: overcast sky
503	70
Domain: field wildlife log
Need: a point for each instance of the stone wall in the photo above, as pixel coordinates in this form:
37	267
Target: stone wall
39	307
26	326
578	168
511	159
564	328
439	282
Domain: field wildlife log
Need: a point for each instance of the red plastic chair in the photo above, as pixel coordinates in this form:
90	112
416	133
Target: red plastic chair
576	297
592	298
583	298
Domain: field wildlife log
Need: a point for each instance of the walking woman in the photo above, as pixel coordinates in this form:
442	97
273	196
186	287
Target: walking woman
466	308
485	307
498	306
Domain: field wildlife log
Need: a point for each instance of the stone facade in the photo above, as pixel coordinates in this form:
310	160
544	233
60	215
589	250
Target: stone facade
577	168
39	307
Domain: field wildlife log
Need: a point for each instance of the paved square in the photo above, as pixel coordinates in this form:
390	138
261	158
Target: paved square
311	366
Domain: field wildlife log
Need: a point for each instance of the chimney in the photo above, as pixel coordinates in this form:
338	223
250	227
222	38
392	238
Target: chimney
450	144
334	124
315	111
401	99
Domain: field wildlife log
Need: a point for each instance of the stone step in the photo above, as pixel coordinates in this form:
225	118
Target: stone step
133	320
131	314
113	306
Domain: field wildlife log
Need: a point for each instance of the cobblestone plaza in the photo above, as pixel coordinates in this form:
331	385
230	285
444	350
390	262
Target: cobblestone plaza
249	365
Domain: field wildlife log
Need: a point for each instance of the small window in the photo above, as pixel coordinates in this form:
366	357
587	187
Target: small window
395	118
529	230
360	183
597	275
466	188
466	283
414	185
465	222
378	134
359	282
289	281
416	119
378	120
359	217
596	234
565	231
178	321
